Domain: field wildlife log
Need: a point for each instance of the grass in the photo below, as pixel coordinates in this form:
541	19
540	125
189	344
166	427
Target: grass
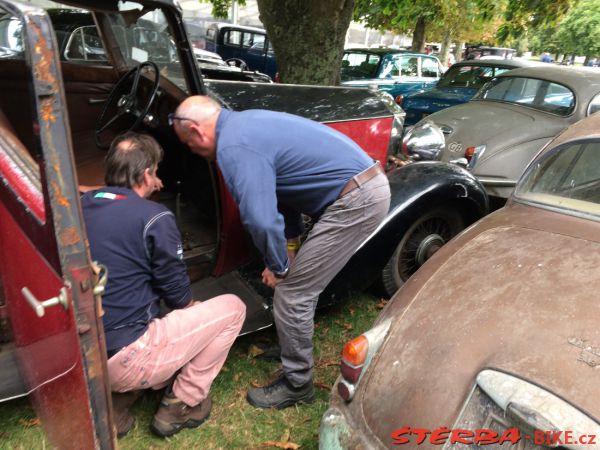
233	424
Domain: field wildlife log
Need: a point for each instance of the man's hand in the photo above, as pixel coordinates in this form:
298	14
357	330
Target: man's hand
270	279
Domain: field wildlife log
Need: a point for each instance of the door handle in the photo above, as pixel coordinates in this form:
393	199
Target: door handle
95	101
101	284
40	307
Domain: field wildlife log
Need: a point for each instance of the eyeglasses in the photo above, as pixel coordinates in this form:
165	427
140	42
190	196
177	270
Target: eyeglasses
171	118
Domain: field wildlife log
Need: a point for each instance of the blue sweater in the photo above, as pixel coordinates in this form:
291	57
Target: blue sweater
278	166
138	241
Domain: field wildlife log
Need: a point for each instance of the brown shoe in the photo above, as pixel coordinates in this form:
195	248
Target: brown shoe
121	402
174	415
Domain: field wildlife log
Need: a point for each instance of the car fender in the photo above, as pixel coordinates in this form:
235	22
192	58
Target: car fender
415	189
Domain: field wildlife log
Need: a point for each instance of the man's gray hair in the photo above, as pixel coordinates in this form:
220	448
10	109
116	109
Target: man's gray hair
130	154
199	109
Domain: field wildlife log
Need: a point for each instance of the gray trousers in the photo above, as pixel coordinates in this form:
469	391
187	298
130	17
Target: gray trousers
344	225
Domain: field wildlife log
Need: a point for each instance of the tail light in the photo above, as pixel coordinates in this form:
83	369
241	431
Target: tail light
472	154
357	355
277	78
399	99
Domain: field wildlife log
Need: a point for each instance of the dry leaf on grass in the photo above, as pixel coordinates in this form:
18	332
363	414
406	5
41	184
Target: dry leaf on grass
237	377
28	423
284	445
323	386
327	363
255	350
347	326
255	384
381	304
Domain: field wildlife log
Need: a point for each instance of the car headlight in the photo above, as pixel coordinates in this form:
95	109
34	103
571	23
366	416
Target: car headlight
425	141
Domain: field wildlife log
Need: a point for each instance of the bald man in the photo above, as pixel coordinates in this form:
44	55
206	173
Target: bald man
279	166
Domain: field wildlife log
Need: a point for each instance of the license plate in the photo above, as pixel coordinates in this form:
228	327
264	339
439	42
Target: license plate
480	412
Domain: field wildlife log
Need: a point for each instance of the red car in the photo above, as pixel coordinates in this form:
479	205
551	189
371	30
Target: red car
56	116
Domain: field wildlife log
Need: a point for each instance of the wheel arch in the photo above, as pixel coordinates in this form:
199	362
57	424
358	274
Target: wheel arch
415	192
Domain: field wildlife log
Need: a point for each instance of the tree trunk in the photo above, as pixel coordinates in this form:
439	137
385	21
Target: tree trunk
418	44
458	50
308	37
446	42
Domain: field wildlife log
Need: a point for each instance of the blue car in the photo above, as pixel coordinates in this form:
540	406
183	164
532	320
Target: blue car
458	85
397	72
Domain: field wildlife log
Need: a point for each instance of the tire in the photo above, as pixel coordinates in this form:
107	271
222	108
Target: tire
423	238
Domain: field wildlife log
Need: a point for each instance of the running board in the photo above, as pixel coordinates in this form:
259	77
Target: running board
258	313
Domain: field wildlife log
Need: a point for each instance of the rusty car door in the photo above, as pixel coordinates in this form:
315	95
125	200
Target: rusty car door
50	294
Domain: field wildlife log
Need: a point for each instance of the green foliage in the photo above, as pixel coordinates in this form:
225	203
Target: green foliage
579	33
524	15
221	8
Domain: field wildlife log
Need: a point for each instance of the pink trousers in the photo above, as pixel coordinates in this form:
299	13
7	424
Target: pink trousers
196	340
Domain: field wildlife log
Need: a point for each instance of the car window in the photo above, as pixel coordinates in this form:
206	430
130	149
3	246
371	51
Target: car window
84	45
467	76
258	42
359	65
211	34
539	94
147	37
410	66
11	41
568	179
247	39
429	68
594	105
232	37
390	66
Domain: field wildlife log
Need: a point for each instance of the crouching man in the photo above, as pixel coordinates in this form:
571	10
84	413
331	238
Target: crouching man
138	240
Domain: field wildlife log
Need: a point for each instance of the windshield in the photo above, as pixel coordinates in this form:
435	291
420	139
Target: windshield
568	179
469	76
359	65
144	35
539	94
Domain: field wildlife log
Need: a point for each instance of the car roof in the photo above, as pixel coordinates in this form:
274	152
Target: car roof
495	63
385	51
588	128
583	80
237	27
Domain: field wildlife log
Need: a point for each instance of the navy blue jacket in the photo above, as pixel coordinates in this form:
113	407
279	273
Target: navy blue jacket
278	166
140	244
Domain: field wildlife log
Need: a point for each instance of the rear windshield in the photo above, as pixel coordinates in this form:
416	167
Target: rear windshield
469	76
568	179
538	94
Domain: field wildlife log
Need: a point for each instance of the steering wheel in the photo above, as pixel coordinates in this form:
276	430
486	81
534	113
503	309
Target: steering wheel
127	100
237	62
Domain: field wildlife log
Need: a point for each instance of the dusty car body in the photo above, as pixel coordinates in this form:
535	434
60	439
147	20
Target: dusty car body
493	331
458	85
57	116
497	133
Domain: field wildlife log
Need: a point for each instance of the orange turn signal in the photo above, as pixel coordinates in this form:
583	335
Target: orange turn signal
399	99
469	152
355	351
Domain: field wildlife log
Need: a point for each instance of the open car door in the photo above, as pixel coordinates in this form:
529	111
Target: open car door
49	293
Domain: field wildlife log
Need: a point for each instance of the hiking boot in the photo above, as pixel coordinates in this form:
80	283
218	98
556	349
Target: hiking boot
121	402
281	394
173	415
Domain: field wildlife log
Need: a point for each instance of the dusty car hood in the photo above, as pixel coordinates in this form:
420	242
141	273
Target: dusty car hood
512	298
494	124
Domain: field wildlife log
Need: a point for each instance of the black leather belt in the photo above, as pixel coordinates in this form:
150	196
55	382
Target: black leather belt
361	178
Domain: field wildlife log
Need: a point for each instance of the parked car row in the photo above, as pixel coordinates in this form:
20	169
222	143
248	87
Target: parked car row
482	346
57	115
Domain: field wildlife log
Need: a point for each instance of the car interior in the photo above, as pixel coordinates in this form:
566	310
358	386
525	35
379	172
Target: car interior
94	90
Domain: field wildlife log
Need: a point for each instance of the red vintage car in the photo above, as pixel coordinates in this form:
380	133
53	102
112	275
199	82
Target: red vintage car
60	105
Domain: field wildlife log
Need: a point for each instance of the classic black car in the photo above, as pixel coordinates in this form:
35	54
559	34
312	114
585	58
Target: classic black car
58	118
